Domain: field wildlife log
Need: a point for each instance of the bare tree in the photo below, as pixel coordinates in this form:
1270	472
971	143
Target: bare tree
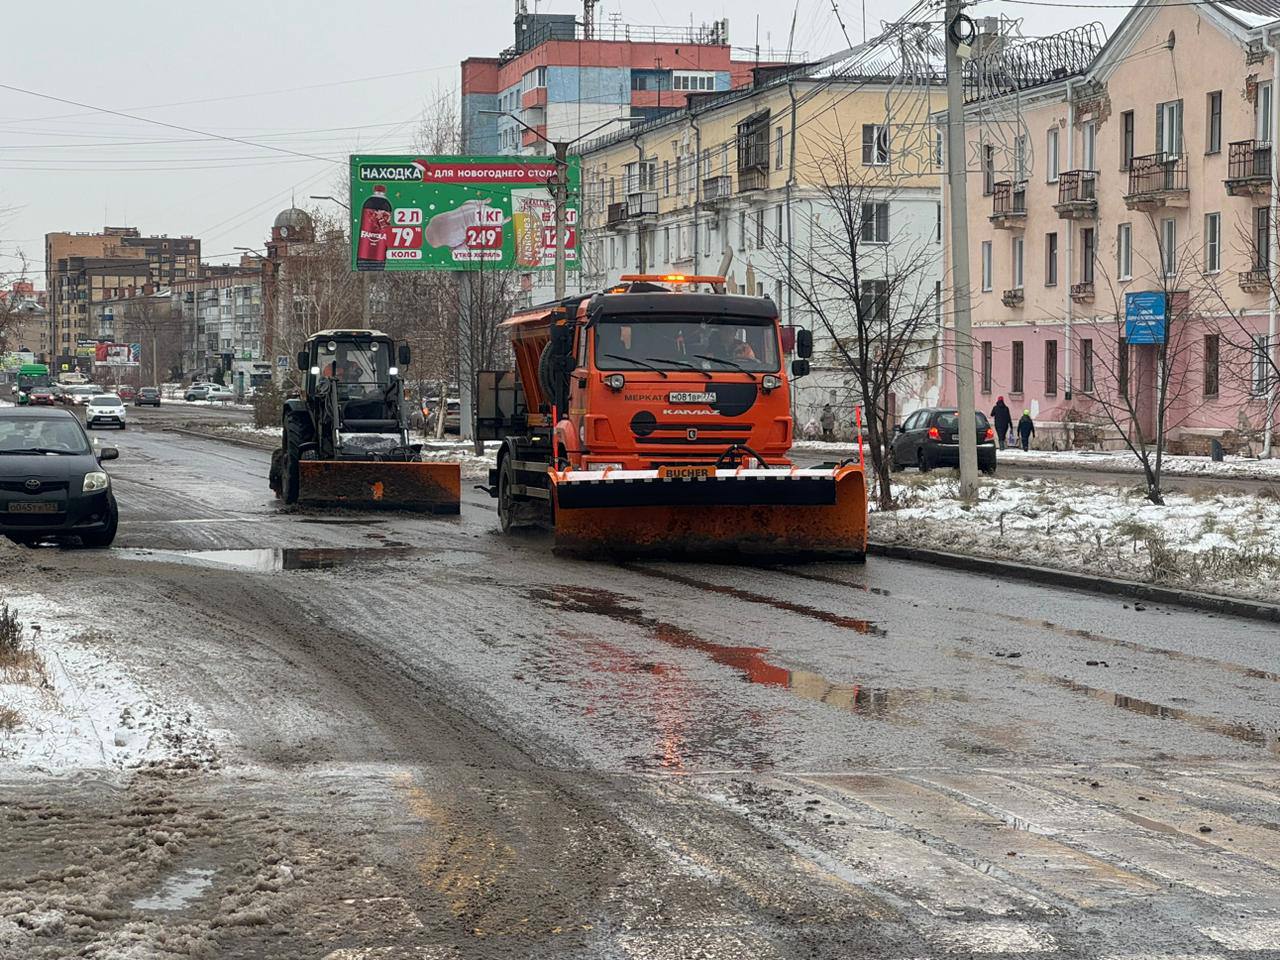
1140	391
154	323
870	284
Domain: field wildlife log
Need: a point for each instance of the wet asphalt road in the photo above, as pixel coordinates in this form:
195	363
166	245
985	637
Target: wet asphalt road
472	747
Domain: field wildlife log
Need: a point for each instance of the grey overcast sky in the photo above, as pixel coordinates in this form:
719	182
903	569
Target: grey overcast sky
318	77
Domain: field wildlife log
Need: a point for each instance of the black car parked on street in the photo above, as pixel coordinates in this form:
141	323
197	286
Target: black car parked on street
52	484
147	395
929	438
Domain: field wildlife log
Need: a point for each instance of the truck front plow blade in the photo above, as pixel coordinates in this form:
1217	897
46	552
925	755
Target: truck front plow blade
735	514
381	485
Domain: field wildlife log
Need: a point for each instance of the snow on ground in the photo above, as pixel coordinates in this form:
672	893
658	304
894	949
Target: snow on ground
247	431
1117	461
79	707
1221	544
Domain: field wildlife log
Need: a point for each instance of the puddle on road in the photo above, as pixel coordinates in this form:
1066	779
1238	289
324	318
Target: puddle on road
177	890
849	623
1225	728
884	703
271	559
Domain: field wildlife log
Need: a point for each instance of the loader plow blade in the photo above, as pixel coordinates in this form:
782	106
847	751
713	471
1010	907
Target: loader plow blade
381	485
737	514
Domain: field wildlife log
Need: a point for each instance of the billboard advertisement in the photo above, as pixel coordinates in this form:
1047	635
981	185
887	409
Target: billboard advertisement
459	213
118	354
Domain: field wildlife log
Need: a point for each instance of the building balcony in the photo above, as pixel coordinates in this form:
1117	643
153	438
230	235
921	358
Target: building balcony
616	214
537	97
538	134
716	191
1248	168
1078	195
753	178
642	204
1156	181
1013	298
1254	281
1082	292
1009	205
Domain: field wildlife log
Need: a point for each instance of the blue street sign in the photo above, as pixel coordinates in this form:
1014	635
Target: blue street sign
1144	317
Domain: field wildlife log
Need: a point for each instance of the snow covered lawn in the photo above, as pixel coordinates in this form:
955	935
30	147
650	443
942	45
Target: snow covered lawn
69	701
1227	543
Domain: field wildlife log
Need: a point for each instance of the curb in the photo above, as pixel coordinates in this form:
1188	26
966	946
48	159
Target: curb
219	438
1232	606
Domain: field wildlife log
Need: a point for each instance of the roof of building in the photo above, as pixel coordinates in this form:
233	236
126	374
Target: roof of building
294	219
1251	13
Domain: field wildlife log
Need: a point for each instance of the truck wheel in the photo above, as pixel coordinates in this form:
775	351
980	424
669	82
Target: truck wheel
506	495
294	438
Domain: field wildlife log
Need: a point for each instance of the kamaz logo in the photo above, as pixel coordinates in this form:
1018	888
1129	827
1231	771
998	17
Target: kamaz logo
391	171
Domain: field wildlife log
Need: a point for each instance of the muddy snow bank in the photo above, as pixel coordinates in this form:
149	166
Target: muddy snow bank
1221	544
81	707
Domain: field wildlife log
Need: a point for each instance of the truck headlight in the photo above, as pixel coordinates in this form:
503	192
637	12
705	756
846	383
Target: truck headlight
95	481
615	381
770	382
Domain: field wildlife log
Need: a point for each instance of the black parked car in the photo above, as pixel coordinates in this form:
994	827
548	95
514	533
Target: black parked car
147	395
929	439
51	482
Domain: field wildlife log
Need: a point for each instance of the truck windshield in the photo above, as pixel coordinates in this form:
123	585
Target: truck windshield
679	342
364	362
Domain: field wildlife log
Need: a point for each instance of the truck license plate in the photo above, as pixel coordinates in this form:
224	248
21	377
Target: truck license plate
686	473
691	397
33	506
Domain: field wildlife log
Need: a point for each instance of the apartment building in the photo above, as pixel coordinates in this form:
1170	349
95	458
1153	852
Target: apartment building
222	328
751	182
1142	176
163	260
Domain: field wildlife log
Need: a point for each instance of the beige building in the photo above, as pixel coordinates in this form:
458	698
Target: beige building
746	182
1146	170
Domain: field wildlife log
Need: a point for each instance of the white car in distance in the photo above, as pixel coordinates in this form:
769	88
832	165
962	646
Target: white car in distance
104	410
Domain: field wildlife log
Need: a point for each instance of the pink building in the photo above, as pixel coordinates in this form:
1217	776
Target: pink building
1148	171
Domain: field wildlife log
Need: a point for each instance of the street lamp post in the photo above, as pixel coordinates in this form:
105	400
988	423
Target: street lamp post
364	277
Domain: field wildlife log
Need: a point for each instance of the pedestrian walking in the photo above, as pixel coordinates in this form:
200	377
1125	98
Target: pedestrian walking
1026	429
1003	420
828	421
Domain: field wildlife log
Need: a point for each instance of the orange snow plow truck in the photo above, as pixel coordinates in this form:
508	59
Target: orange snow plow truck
642	420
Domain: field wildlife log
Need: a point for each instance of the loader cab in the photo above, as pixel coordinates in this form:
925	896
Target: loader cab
357	363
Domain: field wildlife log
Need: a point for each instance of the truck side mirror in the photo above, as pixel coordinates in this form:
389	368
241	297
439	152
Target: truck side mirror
403	355
804	344
302	360
799	368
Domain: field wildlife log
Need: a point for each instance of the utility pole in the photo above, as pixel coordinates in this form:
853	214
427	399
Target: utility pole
957	166
561	193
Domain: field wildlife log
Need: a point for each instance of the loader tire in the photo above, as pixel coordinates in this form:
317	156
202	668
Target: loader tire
506	498
294	437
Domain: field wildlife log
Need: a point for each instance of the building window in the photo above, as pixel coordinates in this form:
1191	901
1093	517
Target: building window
937	237
1087	253
1126	140
1016	373
988	169
937	302
1214	123
875	300
666	245
1261	365
760	228
1262	113
875	223
1124	251
1017	263
1261	239
1089	143
1051	368
1211	365
986	366
1169	246
1086	365
939	152
1051	165
1212	242
777	148
875	144
742	229
666	178
777	293
1050	259
1169	127
1020	158
777	219
986	264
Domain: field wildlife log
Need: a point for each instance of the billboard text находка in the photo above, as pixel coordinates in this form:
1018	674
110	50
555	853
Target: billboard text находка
459	213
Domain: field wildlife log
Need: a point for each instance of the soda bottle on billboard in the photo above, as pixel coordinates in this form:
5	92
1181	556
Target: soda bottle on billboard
375	221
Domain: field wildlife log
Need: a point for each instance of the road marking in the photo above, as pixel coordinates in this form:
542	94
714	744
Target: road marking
203	520
1250	935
